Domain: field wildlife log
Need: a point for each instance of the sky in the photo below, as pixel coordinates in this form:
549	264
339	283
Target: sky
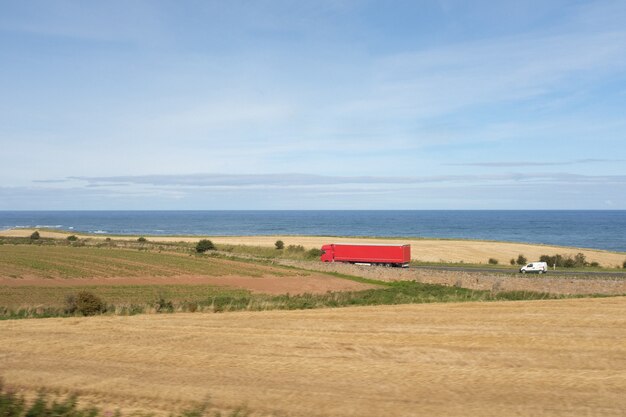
145	105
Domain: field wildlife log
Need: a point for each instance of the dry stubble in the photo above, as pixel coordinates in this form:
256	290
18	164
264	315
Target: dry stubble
557	358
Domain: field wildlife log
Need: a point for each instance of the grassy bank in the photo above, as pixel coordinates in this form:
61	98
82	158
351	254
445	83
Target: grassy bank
167	299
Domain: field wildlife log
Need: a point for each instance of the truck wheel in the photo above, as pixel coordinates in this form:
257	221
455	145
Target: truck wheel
540	271
523	272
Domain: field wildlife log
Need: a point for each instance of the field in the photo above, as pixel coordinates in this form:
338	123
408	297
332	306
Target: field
539	358
417	352
40	280
423	250
42	276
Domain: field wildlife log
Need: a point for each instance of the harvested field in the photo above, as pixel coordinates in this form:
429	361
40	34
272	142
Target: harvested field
426	250
539	358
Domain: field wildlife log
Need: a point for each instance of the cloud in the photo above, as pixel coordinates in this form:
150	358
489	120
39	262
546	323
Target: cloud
511	164
307	180
302	191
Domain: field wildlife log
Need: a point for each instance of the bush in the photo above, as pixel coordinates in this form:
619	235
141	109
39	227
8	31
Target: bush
295	248
594	264
493	261
279	244
565	261
204	245
521	260
35	235
313	253
624	265
72	238
142	240
164	306
512	261
85	303
580	260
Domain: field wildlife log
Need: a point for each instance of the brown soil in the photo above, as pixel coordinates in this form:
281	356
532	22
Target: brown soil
530	358
312	284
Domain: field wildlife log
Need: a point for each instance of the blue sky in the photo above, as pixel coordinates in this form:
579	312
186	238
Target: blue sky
312	105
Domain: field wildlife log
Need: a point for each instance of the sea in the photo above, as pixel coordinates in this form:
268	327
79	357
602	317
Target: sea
584	229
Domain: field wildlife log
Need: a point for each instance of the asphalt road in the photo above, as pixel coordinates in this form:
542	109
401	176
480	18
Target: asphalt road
515	272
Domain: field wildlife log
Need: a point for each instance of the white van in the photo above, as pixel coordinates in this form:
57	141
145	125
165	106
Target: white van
538	267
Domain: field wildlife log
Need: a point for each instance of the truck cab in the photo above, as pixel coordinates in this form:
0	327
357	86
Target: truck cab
327	253
535	267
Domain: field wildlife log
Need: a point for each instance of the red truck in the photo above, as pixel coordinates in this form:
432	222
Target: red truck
369	254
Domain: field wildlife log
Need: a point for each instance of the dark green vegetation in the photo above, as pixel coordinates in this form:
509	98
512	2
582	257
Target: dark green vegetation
15	405
84	303
280	245
566	261
204	245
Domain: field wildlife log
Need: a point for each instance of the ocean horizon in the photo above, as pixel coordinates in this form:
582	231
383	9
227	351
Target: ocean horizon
597	229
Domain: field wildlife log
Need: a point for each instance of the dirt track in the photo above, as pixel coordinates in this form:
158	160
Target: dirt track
541	358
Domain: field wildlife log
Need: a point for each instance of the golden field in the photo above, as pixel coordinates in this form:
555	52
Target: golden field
530	358
425	250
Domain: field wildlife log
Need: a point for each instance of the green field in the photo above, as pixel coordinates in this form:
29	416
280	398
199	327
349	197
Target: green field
44	261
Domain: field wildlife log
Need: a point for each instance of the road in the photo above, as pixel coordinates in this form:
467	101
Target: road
515	272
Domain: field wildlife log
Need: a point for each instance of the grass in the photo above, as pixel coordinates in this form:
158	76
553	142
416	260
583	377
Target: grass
54	296
70	262
56	261
37	302
43	405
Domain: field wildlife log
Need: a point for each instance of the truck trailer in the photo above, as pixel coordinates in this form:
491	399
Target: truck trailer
367	254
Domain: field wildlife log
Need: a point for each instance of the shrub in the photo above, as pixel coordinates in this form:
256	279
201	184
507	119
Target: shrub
85	303
568	262
493	261
512	261
142	240
108	239
295	248
313	253
624	265
204	245
521	260
580	260
279	244
594	264
35	235
164	306
565	261
72	238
